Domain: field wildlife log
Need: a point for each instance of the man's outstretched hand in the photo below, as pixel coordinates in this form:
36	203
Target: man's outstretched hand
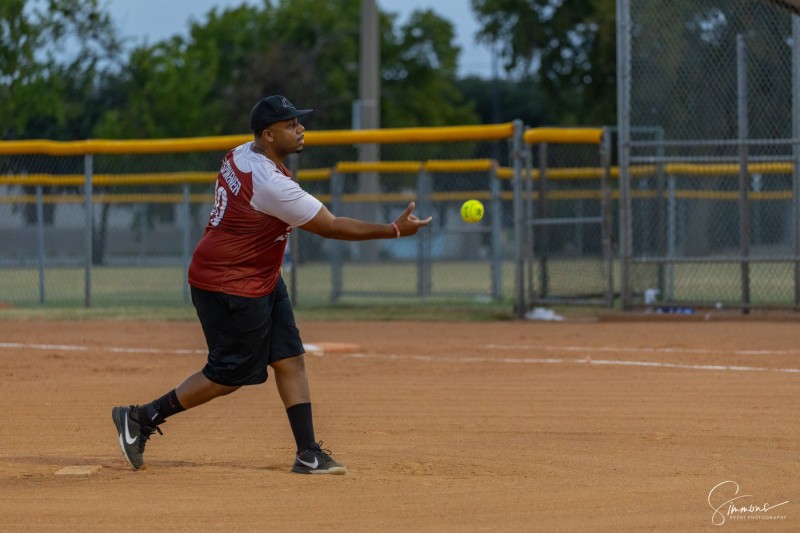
408	223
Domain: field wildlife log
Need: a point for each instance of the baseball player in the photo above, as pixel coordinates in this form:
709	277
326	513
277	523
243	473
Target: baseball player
239	294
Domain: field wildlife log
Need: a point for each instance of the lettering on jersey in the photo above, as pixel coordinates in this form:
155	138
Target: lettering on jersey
285	235
220	204
230	177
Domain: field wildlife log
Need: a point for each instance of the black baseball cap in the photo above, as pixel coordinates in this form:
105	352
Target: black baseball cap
273	109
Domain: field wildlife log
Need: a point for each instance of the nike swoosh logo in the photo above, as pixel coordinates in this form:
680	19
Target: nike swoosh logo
128	438
310	465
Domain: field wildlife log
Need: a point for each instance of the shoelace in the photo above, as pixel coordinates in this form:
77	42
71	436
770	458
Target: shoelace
147	432
321	452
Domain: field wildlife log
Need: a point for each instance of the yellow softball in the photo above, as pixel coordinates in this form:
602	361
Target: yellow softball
472	211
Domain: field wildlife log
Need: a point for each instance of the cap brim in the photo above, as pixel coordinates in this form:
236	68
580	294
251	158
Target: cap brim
299	113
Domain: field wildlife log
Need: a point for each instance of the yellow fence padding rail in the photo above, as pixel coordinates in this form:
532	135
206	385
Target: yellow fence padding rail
491	132
388	167
226	142
398	167
467	165
574	194
313	174
134	146
564	135
77	180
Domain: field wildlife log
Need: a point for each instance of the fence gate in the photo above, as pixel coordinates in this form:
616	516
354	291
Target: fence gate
566	251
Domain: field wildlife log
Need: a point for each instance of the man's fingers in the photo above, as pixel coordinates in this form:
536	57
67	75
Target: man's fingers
419	221
414	220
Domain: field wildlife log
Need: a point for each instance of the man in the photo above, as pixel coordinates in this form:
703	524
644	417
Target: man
239	294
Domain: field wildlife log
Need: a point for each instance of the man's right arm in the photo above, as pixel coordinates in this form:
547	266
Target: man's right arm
326	224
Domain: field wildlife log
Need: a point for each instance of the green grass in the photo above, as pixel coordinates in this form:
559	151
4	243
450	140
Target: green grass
111	286
441	311
347	310
164	286
770	283
461	290
157	293
160	314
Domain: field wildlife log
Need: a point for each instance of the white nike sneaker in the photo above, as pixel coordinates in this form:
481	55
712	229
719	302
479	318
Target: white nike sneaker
315	460
132	435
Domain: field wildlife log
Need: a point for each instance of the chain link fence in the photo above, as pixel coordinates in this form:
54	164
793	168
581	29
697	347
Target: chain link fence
127	241
449	260
569	231
708	142
115	223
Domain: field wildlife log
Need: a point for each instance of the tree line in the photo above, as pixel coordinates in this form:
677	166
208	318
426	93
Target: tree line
65	73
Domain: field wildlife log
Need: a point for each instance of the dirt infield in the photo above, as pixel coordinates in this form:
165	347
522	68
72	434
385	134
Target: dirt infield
523	426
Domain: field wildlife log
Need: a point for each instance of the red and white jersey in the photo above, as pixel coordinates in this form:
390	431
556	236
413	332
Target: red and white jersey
256	205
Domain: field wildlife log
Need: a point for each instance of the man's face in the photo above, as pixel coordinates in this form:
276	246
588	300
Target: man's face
286	136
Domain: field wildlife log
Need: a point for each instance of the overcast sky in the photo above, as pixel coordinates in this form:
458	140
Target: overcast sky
155	20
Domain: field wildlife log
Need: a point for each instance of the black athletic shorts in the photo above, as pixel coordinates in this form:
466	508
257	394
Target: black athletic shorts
244	335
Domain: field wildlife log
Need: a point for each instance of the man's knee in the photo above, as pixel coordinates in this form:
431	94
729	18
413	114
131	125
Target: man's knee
290	365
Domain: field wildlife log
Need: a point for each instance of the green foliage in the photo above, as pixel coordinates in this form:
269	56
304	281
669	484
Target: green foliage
169	79
63	75
307	50
570	45
419	68
499	101
54	57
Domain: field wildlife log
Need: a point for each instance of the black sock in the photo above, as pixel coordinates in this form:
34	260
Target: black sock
156	412
168	404
302	425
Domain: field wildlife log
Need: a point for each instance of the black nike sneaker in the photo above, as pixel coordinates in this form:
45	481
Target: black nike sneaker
315	460
132	435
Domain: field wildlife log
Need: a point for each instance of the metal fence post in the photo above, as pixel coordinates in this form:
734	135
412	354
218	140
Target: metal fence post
337	191
40	240
744	205
519	220
544	232
88	203
497	232
528	218
796	154
661	212
672	236
605	213
624	146
424	262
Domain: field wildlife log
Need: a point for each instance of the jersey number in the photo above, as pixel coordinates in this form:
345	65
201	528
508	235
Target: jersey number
220	204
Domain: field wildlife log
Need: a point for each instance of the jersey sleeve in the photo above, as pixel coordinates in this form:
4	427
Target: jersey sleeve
279	196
